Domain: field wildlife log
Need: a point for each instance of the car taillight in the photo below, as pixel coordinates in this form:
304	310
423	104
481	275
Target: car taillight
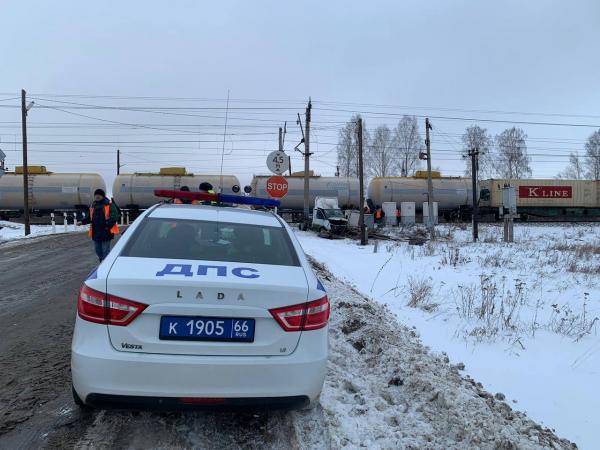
108	309
305	316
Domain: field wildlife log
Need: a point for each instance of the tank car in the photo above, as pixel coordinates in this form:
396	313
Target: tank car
48	191
345	189
451	193
136	190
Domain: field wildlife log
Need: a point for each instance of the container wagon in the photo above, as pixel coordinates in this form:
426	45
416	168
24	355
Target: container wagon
136	190
543	198
48	191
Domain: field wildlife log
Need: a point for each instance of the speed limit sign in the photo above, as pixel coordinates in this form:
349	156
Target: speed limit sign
278	162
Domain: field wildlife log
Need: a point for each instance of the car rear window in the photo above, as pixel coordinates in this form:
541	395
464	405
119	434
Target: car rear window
211	241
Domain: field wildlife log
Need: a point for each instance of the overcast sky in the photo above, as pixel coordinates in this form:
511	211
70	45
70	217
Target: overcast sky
437	58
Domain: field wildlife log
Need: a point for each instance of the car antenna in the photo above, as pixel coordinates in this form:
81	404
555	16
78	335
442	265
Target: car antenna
223	149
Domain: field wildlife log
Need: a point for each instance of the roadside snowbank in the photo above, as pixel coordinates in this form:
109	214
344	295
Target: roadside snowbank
10	231
385	390
536	356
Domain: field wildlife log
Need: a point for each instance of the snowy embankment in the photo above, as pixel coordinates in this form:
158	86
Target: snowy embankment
10	231
521	316
386	390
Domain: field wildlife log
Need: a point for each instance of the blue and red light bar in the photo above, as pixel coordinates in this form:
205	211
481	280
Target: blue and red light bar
218	198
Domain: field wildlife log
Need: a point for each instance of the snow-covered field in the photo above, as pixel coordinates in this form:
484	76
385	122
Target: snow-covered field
10	231
521	317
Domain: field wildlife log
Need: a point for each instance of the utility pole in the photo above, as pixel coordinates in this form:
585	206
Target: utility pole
2	156
118	161
474	154
307	163
25	168
431	224
280	139
361	193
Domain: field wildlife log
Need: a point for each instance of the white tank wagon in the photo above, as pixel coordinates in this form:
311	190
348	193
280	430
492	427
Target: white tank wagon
345	189
451	193
48	191
136	190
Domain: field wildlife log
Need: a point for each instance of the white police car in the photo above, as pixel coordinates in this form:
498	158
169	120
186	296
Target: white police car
201	305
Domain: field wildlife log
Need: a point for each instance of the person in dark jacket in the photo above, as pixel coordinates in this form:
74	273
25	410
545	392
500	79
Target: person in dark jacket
207	188
103	223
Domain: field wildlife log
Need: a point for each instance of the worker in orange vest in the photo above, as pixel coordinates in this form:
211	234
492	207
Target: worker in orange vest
102	219
379	214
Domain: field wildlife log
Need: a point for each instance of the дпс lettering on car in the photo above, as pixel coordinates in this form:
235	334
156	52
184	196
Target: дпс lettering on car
221	271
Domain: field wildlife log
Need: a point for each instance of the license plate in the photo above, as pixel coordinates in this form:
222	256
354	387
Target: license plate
206	329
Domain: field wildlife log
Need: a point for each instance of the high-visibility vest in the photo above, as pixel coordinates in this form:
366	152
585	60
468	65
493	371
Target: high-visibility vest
114	229
180	202
210	191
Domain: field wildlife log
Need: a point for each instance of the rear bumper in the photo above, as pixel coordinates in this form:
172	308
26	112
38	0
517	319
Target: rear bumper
103	375
182	404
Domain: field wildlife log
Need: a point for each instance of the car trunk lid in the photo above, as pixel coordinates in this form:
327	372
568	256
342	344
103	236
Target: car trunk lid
205	289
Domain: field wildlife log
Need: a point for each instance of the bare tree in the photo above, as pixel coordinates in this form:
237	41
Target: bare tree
478	138
512	159
409	142
592	156
347	147
382	154
575	170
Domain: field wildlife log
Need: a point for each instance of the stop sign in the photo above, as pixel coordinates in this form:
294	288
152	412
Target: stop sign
277	186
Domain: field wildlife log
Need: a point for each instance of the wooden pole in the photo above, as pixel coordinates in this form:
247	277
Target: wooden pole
25	167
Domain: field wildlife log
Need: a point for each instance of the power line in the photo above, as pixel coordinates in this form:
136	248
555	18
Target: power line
301	102
65	110
467	119
144	108
481	111
161	98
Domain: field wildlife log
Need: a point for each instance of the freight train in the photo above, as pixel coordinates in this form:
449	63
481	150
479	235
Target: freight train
536	199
